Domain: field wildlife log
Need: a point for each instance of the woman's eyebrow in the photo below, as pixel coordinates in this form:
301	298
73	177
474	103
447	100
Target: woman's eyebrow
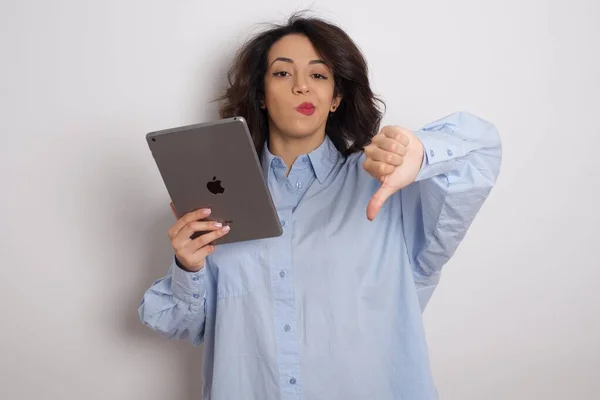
290	61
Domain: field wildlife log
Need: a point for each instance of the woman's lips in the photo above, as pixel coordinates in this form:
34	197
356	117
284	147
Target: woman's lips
306	108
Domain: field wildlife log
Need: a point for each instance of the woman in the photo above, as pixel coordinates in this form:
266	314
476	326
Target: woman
332	308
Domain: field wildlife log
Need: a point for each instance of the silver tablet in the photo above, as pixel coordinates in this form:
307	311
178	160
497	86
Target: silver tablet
215	165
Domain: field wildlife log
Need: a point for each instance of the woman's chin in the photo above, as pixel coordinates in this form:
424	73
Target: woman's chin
303	128
299	126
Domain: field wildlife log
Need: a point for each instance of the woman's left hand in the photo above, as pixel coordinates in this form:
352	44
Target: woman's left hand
394	157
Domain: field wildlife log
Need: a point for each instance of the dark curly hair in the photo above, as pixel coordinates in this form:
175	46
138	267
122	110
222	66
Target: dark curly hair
358	116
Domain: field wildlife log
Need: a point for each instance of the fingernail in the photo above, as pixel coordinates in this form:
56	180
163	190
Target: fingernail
226	229
206	211
218	224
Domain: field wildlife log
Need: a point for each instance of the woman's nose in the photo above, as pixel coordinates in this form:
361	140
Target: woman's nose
300	86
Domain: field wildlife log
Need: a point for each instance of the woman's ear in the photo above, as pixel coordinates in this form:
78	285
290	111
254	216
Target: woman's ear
335	103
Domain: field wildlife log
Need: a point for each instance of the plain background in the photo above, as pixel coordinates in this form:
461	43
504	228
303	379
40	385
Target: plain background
84	214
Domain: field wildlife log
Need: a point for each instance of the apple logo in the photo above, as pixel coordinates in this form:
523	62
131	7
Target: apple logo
214	186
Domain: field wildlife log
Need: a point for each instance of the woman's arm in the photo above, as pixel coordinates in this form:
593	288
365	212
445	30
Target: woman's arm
461	164
174	306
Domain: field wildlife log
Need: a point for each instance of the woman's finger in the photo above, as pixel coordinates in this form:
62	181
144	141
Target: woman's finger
377	169
184	236
392	145
397	136
207	238
378	154
187	218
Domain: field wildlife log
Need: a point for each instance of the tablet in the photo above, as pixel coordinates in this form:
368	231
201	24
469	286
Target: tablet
215	165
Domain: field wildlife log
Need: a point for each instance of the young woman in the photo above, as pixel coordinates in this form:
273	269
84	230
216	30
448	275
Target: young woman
332	308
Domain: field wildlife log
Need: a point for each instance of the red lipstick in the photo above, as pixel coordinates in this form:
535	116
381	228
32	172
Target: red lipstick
306	108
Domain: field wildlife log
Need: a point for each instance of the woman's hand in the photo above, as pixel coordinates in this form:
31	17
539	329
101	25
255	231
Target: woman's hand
191	253
394	157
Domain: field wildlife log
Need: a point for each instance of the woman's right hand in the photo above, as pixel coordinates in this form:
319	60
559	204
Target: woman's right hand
191	253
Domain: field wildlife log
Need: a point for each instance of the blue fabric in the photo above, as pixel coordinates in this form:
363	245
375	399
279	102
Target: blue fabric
332	308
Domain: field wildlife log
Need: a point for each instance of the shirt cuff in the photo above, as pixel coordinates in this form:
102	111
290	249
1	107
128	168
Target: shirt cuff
440	153
188	287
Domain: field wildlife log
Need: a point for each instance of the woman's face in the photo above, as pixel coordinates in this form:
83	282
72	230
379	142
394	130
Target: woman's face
298	88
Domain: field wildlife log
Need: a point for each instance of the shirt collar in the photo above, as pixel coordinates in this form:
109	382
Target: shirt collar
322	159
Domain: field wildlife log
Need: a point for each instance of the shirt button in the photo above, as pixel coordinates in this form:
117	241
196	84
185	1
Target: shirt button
282	274
449	152
282	222
293	380
305	160
298	185
286	328
431	153
195	278
196	295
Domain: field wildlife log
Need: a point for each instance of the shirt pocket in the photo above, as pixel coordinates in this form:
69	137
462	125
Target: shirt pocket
239	268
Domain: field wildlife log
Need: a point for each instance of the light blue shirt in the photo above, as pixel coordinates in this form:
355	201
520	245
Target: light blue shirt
332	308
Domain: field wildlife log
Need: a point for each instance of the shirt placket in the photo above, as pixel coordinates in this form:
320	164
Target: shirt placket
285	323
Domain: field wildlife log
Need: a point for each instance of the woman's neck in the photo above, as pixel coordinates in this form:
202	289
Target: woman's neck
290	148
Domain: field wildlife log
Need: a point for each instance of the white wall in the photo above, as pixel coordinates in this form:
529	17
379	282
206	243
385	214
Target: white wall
84	214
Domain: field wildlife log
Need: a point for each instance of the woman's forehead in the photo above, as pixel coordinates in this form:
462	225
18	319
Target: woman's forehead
295	48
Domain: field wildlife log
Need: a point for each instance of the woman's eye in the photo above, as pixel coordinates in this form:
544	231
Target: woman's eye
319	76
281	74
